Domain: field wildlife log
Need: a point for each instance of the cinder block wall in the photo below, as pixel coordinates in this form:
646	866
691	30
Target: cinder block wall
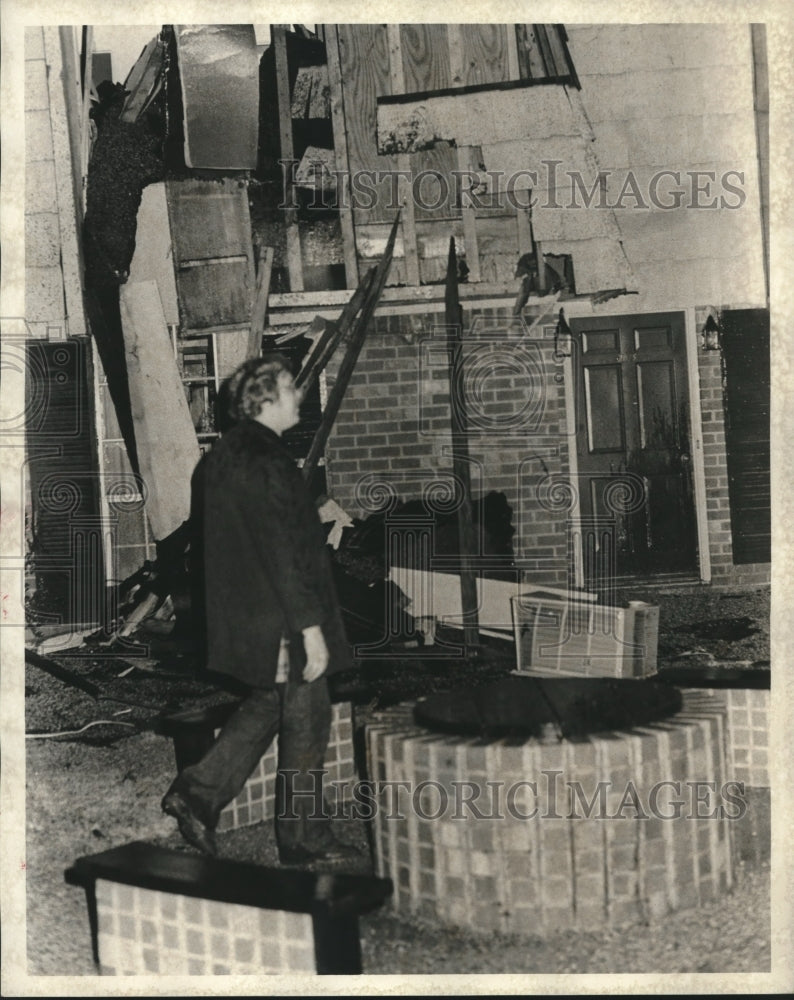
394	425
44	294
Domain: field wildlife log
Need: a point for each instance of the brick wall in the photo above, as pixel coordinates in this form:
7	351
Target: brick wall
715	459
394	425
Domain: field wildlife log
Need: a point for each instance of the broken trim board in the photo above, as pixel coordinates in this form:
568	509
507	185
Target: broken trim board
166	441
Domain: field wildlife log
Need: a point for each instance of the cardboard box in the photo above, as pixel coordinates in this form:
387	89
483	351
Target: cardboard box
567	637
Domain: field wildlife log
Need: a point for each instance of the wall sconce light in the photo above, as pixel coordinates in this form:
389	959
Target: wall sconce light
563	337
710	338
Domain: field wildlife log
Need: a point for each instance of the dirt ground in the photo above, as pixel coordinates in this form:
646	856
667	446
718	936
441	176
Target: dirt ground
102	788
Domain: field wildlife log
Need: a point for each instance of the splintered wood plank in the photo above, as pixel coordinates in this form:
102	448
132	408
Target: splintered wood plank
465	157
364	63
404	164
294	257
484	53
374	282
259	311
425	57
165	438
341	155
154	256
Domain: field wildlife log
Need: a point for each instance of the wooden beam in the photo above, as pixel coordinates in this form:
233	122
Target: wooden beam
358	333
455	43
405	178
460	454
340	152
466	157
259	309
294	257
513	71
541	264
524	232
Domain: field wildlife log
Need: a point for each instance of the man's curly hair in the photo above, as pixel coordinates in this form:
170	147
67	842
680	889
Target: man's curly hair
253	384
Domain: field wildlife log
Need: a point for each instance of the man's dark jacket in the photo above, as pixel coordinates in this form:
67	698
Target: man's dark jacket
266	566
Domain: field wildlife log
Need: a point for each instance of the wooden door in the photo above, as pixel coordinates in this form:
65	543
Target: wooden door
632	436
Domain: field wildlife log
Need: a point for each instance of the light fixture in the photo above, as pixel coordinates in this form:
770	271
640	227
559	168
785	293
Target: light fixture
563	335
710	338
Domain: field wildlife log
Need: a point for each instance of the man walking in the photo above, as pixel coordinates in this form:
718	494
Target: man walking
273	621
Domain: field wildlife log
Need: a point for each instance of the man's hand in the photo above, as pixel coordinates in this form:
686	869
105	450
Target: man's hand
316	653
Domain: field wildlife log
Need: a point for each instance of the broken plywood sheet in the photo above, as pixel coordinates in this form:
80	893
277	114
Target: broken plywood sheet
153	259
311	94
164	435
316	169
473	119
213	253
219	74
437	595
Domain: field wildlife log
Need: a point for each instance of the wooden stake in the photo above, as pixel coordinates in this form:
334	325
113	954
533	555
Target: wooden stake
460	454
259	311
323	350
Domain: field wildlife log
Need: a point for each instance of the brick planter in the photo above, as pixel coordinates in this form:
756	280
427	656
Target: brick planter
153	910
511	871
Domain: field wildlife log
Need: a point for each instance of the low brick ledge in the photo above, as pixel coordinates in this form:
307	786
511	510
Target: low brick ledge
152	909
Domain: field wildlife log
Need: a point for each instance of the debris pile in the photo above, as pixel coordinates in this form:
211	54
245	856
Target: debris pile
127	155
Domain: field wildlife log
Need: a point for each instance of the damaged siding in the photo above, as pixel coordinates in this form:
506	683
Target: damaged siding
677	98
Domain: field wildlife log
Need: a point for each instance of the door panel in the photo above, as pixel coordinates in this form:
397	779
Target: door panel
633	443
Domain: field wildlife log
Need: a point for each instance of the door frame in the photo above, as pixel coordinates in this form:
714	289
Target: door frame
703	554
696	430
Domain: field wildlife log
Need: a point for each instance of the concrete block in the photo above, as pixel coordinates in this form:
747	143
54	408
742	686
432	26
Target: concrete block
34	43
38	136
40	189
658	141
37	94
44	300
42	240
611	145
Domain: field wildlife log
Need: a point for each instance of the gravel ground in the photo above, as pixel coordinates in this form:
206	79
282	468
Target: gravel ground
102	789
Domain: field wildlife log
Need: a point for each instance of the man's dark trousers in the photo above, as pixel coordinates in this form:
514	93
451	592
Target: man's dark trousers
300	714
